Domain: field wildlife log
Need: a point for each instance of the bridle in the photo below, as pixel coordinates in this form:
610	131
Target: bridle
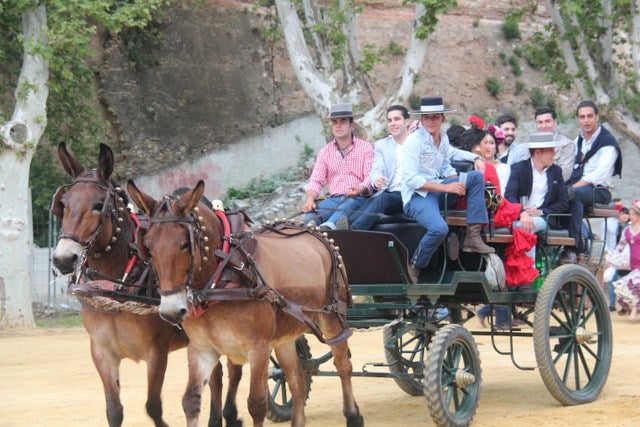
113	210
197	239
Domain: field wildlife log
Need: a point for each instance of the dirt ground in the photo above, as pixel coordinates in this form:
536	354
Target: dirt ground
47	378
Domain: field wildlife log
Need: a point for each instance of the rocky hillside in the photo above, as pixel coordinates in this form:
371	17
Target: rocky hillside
205	80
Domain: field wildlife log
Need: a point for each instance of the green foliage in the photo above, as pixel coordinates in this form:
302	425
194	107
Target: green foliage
540	99
543	54
510	28
503	58
429	20
515	66
493	86
414	101
259	186
71	115
519	87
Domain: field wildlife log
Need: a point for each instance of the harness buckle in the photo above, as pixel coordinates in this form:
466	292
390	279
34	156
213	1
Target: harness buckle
239	267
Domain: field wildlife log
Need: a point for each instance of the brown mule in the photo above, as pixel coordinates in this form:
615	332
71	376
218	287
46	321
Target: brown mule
290	268
97	229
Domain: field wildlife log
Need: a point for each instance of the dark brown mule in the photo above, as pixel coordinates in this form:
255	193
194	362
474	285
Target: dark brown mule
96	227
182	239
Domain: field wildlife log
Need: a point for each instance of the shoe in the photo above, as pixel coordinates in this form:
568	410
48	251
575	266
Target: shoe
517	322
414	273
568	256
325	228
342	223
502	327
612	309
482	320
474	243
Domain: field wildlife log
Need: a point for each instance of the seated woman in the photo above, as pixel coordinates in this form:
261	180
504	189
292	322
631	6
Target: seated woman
519	267
627	288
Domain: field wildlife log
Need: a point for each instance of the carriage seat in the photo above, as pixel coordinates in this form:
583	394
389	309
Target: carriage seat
406	229
602	210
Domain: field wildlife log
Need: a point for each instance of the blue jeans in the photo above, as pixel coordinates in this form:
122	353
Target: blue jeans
383	203
585	197
332	208
502	315
426	211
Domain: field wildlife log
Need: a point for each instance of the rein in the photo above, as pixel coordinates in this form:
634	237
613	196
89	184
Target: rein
237	276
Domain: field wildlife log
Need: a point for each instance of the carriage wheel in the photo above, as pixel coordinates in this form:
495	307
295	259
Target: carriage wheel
452	376
280	403
572	335
405	345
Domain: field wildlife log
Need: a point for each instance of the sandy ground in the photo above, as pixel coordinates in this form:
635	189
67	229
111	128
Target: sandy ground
47	378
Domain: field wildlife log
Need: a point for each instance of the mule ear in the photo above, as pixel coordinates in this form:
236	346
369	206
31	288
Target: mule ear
190	199
69	162
106	162
144	201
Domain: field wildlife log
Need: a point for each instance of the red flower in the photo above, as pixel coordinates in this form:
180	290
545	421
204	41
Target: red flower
477	122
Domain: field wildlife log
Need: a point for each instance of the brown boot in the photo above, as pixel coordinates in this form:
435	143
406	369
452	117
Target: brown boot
414	273
474	243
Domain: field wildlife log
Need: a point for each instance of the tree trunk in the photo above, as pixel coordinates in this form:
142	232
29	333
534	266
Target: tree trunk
19	140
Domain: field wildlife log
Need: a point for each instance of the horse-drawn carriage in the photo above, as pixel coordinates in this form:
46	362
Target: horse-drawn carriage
427	347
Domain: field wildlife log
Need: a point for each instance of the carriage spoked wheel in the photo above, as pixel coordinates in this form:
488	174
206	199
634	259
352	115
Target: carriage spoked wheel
405	346
452	376
572	335
280	403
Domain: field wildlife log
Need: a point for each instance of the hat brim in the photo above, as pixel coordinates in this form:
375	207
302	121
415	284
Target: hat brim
340	116
544	144
424	113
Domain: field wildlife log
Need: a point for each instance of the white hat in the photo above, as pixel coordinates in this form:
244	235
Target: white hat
542	140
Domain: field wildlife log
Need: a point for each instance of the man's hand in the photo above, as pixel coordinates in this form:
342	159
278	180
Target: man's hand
309	205
526	223
455	188
533	212
355	191
381	182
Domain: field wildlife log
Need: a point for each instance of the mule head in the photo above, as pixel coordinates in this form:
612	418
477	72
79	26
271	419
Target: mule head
180	239
92	211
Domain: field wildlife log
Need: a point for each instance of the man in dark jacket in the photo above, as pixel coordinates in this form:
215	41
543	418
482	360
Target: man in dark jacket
598	159
537	184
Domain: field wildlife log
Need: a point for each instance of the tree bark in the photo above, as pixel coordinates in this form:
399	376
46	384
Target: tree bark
19	140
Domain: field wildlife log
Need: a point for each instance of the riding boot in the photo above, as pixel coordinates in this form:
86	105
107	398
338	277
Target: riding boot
474	243
414	273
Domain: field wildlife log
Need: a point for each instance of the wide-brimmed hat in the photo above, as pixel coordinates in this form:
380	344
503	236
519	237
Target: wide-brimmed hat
542	140
341	111
432	105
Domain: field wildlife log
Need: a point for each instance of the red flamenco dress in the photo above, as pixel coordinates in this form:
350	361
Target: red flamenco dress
519	267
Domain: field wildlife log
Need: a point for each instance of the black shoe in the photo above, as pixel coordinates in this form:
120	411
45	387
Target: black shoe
568	256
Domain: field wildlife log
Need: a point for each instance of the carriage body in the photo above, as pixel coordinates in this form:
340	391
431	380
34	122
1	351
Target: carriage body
429	347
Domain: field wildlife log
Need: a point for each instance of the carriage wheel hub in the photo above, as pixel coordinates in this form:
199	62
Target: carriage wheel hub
583	336
464	378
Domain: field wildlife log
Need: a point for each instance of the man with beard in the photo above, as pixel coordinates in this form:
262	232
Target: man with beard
508	152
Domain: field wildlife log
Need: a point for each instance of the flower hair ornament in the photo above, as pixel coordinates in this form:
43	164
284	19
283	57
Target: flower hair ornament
476	122
498	134
636	204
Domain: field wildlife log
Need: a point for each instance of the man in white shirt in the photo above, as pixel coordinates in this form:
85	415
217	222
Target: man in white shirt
597	160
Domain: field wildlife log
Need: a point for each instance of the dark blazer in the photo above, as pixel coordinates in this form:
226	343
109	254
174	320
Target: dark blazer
521	182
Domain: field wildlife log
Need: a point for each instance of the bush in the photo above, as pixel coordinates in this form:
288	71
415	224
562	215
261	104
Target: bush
515	66
492	84
518	88
511	29
540	99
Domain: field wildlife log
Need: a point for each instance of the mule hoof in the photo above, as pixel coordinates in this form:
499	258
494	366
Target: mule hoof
236	423
355	421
